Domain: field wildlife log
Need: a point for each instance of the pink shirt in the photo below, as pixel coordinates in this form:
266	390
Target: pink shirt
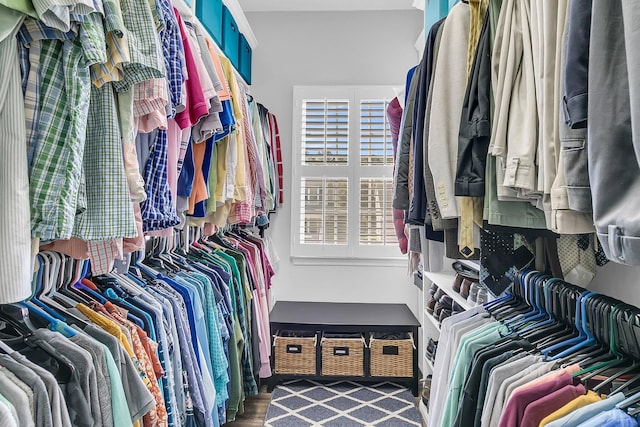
518	402
536	411
196	104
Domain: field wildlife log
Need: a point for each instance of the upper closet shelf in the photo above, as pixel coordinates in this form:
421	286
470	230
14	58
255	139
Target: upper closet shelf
227	25
241	20
189	7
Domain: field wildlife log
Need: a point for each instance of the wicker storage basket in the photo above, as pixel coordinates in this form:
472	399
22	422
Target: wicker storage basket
295	352
391	357
343	354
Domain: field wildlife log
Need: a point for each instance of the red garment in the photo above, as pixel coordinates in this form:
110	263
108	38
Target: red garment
277	154
519	400
394	116
541	408
195	102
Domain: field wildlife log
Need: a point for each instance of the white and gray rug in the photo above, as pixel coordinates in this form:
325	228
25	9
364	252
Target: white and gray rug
304	403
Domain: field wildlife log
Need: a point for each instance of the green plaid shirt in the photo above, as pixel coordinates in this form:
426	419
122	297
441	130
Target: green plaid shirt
144	46
109	213
58	143
77	131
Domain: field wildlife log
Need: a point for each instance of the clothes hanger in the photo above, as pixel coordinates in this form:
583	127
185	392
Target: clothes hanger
532	283
548	318
161	255
55	320
18	317
522	284
5	348
562	308
174	245
584	339
52	306
141	269
39	283
631	348
600	364
89	292
519	305
53	323
605	349
127	284
508	298
21	341
634	398
73	274
635	366
73	286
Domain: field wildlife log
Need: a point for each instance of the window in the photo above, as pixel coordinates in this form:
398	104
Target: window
343	170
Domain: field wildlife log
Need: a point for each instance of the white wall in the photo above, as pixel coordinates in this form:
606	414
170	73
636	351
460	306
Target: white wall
329	48
618	281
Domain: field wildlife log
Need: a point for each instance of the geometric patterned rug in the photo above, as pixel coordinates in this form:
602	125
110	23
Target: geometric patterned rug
305	403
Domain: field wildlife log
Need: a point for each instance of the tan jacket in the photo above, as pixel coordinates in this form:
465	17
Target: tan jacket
515	123
449	85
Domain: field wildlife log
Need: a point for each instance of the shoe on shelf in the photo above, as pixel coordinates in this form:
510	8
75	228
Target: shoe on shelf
430	352
433	289
457	308
473	293
482	297
444	313
466	271
465	287
425	390
431	304
457	282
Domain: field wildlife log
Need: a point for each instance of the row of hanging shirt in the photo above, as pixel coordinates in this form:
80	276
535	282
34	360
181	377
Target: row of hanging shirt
134	125
179	339
536	361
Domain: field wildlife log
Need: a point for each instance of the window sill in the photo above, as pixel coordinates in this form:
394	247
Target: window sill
400	261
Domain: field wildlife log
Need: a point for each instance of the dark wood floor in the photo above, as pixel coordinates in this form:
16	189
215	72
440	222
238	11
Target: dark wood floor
255	410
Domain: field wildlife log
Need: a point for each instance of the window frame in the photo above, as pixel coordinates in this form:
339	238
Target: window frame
353	252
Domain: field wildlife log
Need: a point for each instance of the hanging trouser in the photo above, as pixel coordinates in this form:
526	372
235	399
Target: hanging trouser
613	131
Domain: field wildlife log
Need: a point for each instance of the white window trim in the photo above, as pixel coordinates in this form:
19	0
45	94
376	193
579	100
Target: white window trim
352	253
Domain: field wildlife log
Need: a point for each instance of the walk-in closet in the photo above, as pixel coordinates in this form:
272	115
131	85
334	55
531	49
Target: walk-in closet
319	213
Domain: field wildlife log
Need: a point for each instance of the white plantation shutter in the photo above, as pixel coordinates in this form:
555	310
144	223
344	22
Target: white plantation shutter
376	214
324	213
342	174
375	134
325	132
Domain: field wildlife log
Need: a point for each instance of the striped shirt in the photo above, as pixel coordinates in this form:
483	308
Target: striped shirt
15	246
150	96
60	14
244	210
109	213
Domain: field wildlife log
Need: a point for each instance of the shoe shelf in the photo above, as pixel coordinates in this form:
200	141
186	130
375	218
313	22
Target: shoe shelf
428	362
430	325
432	320
445	281
424	411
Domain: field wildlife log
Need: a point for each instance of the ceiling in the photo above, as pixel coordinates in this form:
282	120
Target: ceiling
328	5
